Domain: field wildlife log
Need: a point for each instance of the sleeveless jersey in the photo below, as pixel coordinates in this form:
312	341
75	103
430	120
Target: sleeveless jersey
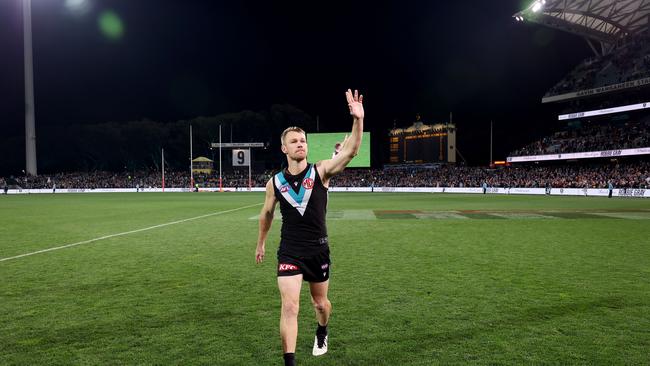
303	204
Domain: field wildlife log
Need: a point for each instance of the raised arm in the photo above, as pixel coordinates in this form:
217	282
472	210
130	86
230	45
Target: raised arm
266	218
351	145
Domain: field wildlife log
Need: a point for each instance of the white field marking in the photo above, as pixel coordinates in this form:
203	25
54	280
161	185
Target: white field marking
127	232
334	215
359	215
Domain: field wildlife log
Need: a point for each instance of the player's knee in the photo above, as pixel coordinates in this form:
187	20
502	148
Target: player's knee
321	304
290	308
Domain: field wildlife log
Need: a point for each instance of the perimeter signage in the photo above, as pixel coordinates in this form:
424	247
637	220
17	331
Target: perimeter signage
600	90
581	155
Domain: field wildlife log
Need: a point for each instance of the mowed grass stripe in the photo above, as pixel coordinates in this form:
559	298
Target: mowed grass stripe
626	215
575	215
482	216
126	233
35	222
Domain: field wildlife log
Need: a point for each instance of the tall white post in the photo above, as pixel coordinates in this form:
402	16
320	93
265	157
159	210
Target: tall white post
162	166
30	125
220	181
250	162
491	123
191	162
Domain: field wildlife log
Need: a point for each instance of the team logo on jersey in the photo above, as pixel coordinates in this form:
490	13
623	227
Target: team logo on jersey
287	267
308	183
300	199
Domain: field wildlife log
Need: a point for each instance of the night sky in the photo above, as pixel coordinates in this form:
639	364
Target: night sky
126	60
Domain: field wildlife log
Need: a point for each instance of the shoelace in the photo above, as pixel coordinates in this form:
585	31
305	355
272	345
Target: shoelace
320	340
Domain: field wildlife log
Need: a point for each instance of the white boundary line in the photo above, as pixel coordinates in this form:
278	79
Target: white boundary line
126	233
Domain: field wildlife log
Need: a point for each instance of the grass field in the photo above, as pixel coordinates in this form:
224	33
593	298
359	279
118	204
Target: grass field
417	279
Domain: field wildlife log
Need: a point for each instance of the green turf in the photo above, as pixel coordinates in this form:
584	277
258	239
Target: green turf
422	288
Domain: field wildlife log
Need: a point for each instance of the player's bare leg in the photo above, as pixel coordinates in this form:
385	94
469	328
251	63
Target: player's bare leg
290	292
323	309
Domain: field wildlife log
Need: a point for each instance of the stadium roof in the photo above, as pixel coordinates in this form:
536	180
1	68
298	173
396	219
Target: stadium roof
604	21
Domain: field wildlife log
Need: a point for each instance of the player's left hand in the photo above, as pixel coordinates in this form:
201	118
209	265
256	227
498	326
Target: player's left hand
259	254
355	103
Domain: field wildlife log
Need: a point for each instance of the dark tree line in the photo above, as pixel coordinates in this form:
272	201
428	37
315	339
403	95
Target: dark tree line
136	145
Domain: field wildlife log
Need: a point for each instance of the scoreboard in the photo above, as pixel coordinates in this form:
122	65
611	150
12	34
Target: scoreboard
421	143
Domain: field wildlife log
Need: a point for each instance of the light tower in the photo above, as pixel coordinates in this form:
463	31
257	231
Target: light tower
30	126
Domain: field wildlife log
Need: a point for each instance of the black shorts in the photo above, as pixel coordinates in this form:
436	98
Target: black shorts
313	269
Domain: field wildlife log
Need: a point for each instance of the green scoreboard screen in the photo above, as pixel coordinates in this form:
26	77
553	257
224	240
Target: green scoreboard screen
321	147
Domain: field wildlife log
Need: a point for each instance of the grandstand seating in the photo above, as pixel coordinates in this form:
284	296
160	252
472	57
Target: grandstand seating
623	175
630	61
588	136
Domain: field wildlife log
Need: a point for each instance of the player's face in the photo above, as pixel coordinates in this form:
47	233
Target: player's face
295	145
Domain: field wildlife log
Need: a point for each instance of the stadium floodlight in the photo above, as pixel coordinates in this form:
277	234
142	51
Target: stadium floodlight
537	6
79	7
76	4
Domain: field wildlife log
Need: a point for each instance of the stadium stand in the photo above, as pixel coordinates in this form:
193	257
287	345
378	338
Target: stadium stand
142	179
602	101
629	61
617	32
627	175
597	175
591	136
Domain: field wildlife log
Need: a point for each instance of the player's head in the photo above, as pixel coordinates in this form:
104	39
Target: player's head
294	143
337	148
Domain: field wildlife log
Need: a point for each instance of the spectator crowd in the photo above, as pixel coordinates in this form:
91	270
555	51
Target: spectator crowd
629	175
591	137
622	175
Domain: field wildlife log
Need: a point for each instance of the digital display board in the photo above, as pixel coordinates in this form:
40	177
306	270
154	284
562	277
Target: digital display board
425	148
321	147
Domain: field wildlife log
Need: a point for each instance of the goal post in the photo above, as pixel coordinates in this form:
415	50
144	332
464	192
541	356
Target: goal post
241	156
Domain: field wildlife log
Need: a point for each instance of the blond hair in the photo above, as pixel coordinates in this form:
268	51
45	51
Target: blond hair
291	129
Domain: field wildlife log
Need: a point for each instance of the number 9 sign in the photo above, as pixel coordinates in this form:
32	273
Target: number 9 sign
241	157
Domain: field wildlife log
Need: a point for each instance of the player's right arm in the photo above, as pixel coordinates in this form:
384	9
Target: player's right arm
266	218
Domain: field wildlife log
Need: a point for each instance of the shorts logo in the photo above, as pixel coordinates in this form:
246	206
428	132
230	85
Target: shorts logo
308	183
287	267
324	266
284	188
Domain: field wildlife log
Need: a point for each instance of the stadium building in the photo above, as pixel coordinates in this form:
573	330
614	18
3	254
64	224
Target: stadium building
602	105
423	144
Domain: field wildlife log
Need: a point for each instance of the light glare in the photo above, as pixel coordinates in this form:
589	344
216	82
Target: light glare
78	6
110	24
